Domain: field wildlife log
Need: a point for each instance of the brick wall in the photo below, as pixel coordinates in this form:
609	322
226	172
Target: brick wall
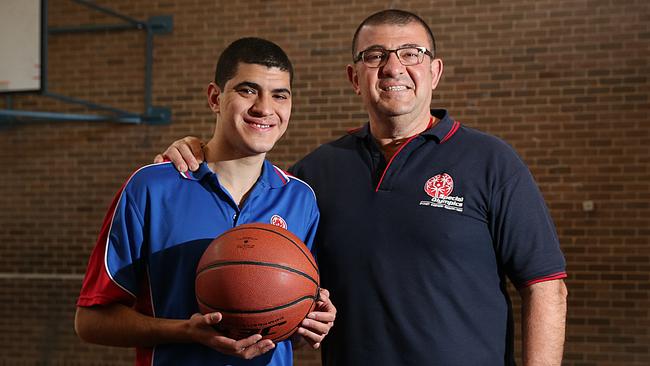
565	82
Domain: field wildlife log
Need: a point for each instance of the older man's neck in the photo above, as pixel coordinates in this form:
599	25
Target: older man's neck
392	134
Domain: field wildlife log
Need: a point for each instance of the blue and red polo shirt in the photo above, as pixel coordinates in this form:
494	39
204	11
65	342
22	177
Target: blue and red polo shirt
155	232
416	250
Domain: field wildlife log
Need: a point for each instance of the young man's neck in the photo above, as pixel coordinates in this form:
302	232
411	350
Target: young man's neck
237	172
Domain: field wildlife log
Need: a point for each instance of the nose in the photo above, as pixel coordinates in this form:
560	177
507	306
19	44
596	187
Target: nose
393	65
262	106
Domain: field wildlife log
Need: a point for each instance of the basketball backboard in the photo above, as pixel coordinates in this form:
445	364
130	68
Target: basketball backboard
20	46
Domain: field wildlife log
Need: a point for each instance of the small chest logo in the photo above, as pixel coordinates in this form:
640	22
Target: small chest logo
440	185
439	188
277	220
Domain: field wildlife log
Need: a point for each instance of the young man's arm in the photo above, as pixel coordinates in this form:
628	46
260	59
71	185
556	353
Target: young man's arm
120	325
544	307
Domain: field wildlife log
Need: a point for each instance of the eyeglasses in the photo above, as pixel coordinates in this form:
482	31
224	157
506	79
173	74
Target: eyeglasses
407	56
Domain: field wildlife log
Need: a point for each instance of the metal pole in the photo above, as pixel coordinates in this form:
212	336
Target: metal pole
66	117
147	71
133	21
92	28
88	104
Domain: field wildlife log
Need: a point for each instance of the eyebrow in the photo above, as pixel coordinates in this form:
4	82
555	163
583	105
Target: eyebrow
257	86
378	46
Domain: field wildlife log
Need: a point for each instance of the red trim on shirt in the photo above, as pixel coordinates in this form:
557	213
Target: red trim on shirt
398	151
284	180
551	277
98	288
144	356
353	130
391	160
451	132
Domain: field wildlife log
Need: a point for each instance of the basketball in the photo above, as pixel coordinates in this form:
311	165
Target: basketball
261	278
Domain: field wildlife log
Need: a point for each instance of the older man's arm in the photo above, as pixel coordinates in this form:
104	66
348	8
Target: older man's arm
544	308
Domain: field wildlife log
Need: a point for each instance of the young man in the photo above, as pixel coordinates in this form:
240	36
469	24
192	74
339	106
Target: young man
424	219
139	287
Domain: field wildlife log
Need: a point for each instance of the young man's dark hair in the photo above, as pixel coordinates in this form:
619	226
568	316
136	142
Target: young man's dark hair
397	17
250	50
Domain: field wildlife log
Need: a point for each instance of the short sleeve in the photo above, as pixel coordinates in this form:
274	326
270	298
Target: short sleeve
115	264
312	225
523	231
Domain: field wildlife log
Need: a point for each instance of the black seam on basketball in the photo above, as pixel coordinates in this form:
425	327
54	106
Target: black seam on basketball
235	311
311	308
237	228
285	334
263	264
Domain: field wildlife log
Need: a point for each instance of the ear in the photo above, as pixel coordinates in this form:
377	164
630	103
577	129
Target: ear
353	77
213	94
436	72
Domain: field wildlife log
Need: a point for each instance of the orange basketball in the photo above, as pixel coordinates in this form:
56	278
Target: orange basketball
262	278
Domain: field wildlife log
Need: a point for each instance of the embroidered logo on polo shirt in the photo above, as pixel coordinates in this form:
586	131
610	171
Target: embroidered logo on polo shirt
439	188
440	185
277	220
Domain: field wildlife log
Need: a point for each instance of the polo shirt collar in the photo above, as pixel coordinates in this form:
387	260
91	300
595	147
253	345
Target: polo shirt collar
271	176
439	131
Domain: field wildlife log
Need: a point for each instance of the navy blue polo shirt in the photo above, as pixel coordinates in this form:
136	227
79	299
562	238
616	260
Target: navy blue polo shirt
416	250
155	233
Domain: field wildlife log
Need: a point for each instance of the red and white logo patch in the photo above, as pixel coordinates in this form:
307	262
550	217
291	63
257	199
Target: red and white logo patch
277	220
439	186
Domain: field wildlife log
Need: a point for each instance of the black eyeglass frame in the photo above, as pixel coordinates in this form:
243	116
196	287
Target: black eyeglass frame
421	50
